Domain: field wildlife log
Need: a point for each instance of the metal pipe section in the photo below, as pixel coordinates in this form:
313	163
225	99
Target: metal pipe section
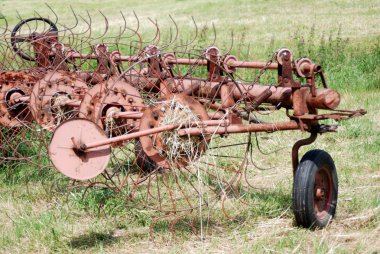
324	99
151	131
239	128
179	61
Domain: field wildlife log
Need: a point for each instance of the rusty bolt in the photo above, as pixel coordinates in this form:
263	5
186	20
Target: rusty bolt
132	125
130	100
134	109
155	115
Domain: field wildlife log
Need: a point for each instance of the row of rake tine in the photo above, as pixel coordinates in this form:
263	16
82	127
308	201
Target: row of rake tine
82	37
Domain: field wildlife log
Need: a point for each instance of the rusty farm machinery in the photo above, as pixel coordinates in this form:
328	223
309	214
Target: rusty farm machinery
168	125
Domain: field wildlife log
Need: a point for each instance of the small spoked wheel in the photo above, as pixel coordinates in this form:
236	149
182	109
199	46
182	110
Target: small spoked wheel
315	190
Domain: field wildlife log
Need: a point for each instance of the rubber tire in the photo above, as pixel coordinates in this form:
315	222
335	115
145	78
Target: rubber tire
303	189
146	164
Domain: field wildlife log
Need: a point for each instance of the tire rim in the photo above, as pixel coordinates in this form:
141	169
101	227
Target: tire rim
322	193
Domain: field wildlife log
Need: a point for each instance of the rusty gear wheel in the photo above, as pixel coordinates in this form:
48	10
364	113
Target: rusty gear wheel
154	145
106	100
56	98
15	89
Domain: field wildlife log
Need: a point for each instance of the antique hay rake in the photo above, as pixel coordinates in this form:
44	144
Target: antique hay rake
167	125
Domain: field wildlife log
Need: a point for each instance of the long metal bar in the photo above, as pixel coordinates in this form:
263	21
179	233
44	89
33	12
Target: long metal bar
240	128
180	61
211	127
152	131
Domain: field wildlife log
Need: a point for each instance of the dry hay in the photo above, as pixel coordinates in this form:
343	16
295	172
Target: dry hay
179	148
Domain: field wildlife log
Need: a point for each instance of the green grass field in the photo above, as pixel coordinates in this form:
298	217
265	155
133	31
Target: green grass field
344	36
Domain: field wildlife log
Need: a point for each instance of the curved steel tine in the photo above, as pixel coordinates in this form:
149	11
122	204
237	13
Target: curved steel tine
39	16
118	37
6	26
71	36
192	41
89	24
214	30
55	14
232	44
85	38
156	38
18	15
7	61
136	32
121	32
28	25
125	25
105	30
88	28
138	21
171	42
76	20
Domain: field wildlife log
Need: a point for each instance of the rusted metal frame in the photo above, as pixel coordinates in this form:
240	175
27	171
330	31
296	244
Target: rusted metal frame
102	59
178	61
42	46
324	99
298	145
285	79
213	63
59	61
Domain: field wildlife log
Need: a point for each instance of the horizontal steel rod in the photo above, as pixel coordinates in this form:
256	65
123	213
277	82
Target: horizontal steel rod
72	103
208	127
128	115
152	131
239	128
181	61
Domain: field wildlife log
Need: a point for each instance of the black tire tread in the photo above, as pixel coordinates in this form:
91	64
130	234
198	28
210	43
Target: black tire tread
304	185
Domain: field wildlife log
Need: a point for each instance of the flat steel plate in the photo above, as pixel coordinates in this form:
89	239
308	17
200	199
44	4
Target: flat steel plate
79	165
